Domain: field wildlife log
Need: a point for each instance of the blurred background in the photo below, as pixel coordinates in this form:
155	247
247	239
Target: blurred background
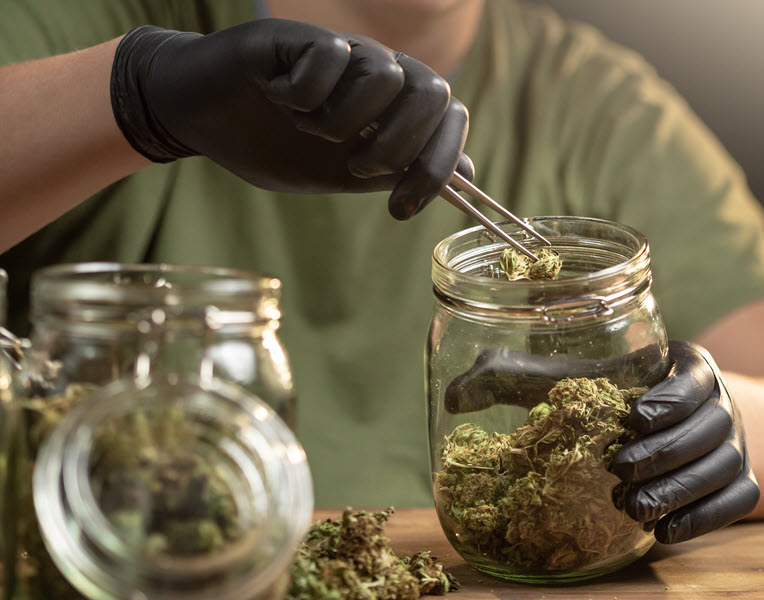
711	51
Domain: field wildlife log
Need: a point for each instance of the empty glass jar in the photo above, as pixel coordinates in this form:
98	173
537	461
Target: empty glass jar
529	386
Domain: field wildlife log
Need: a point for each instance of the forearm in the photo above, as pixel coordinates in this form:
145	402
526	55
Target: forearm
59	142
748	393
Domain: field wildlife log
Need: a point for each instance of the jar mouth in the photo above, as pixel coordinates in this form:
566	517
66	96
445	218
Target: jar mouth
102	290
606	260
272	486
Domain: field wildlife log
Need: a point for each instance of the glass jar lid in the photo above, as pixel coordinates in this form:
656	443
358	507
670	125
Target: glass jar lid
172	489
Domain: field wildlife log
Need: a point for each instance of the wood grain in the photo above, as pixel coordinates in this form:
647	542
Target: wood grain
725	564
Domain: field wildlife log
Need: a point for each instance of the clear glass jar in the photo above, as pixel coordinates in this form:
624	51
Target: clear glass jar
87	332
163	486
84	326
529	384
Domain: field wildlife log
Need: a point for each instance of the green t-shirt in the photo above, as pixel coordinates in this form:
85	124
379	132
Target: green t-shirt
562	122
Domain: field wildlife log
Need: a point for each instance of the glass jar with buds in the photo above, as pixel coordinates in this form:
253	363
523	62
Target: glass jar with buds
531	370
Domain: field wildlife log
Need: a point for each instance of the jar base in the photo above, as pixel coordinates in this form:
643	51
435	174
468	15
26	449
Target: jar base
555	579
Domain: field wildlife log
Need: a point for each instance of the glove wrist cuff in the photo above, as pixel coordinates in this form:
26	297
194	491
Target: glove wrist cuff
132	110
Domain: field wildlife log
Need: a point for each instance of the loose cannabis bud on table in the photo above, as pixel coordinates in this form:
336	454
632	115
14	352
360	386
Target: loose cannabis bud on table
518	266
540	498
351	559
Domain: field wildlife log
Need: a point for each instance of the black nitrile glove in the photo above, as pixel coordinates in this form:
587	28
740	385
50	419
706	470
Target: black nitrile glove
691	464
283	105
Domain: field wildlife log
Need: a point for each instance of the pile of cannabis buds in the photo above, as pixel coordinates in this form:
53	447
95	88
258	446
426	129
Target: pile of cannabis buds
539	498
350	559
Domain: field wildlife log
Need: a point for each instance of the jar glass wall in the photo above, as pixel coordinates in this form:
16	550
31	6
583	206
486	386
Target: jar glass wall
529	384
7	459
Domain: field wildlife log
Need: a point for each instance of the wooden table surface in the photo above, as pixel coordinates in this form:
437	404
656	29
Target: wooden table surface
725	564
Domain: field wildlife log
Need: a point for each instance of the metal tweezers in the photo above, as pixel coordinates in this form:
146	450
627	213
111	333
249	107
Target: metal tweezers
459	183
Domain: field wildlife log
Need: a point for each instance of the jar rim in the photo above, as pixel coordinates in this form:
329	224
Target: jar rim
61	278
80	290
614	280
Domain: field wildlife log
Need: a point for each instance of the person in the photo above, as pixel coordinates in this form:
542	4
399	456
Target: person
561	122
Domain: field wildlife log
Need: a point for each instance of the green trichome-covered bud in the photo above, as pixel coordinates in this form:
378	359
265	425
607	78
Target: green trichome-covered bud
541	498
517	265
351	559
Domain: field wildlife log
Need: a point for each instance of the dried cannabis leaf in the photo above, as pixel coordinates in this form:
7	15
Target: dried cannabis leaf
540	498
351	559
518	266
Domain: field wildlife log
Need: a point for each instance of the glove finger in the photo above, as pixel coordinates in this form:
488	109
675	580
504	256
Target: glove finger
687	484
687	386
315	58
669	449
712	512
435	165
407	125
466	168
368	86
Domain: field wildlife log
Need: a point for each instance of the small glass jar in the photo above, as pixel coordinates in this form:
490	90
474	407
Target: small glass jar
529	385
163	486
84	326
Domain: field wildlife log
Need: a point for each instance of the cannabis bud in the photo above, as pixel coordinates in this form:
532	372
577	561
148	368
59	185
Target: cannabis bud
351	559
542	498
517	265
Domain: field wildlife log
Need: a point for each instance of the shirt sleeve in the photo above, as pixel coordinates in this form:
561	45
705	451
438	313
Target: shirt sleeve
31	29
623	145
